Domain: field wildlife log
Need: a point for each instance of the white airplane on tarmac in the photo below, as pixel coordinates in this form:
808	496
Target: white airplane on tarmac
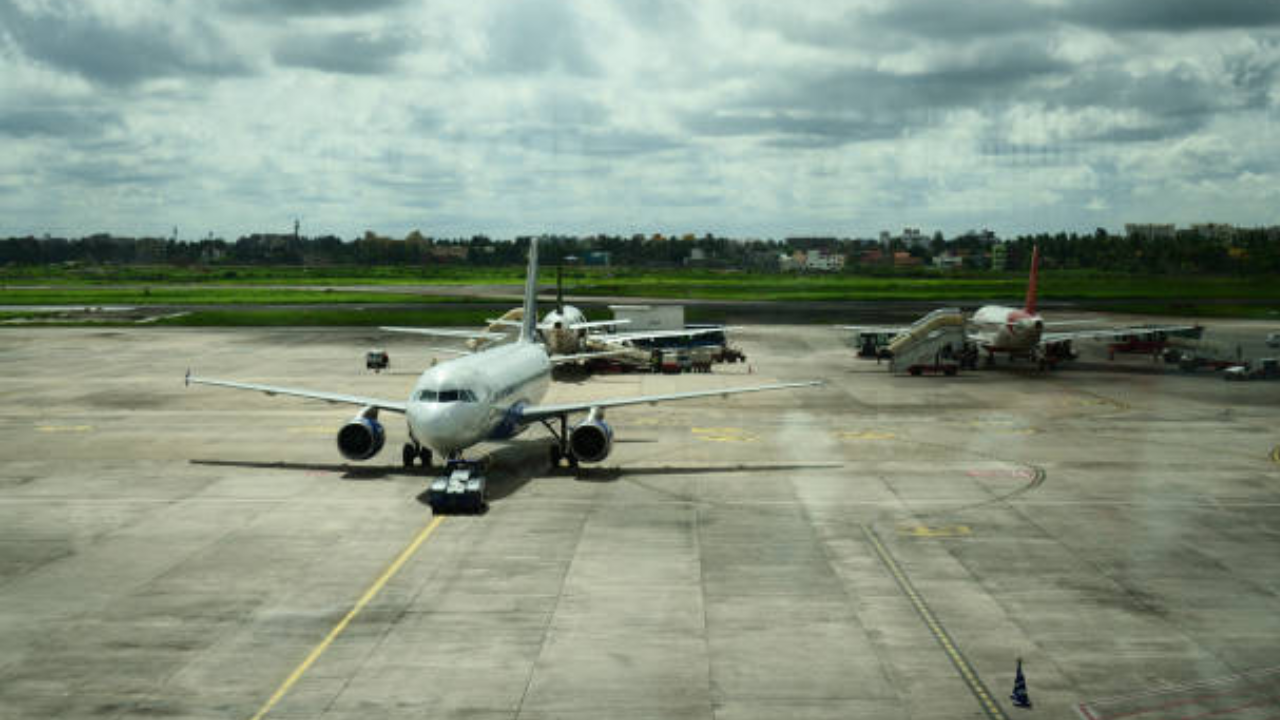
567	333
1022	332
491	395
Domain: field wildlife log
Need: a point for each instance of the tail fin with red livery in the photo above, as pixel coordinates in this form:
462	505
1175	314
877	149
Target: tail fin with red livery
1030	306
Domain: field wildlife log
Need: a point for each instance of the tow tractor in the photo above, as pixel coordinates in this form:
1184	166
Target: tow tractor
460	488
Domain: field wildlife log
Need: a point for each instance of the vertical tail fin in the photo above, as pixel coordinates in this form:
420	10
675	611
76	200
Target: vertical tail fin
529	323
560	289
1030	306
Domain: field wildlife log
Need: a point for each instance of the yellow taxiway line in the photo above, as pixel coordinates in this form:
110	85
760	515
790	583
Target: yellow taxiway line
967	673
368	596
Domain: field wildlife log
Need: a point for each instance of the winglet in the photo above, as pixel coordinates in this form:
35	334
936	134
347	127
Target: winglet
529	323
1030	305
187	380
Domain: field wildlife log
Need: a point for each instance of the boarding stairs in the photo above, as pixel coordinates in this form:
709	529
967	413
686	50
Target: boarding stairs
935	339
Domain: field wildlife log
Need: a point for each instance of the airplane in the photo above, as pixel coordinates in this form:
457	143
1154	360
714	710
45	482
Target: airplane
1022	332
567	333
490	395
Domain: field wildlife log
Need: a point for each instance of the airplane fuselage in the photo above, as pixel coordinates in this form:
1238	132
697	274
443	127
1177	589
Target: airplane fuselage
1006	329
474	398
558	332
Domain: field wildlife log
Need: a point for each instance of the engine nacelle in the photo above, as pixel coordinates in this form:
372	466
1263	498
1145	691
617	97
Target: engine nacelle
592	439
361	438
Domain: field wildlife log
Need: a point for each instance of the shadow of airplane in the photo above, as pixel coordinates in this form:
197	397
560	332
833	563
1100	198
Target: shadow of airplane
349	472
512	466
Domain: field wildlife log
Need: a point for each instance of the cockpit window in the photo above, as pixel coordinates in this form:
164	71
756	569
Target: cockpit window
446	396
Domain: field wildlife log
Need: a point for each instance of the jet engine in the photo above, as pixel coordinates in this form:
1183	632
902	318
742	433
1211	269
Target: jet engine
361	438
592	439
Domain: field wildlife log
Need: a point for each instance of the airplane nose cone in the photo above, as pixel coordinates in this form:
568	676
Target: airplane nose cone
447	427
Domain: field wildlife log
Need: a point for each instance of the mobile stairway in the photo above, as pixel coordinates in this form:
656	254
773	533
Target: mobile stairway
933	344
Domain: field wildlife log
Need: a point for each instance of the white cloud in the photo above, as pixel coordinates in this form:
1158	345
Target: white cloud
579	116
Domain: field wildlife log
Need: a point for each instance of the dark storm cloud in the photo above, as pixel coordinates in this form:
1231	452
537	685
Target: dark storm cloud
348	52
537	36
855	105
289	8
71	40
785	129
56	122
1172	104
963	20
659	14
113	172
585	141
1172	15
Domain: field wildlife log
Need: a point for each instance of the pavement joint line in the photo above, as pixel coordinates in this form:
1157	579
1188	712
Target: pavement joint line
952	651
365	599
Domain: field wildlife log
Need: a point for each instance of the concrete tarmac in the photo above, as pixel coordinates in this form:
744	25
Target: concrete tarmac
880	547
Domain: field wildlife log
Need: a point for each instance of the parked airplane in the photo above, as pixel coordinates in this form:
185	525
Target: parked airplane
493	395
1022	332
567	333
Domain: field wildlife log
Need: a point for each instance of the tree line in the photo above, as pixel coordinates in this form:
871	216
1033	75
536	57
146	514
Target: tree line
1245	251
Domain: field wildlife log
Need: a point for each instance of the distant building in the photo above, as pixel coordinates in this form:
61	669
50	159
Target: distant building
787	263
823	260
948	261
598	258
913	238
447	252
1149	231
999	257
1222	232
906	259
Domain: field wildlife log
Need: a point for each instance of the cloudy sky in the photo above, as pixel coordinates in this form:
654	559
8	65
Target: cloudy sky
737	117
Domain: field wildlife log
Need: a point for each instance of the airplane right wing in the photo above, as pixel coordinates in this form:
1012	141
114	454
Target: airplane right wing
875	328
617	338
532	413
1108	333
388	405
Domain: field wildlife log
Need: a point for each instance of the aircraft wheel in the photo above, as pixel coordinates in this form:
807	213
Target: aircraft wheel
555	456
409	454
424	454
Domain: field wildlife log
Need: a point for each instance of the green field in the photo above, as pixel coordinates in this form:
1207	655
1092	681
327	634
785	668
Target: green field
268	297
185	295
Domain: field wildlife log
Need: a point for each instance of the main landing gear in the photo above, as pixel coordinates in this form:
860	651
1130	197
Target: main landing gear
414	451
560	451
461	488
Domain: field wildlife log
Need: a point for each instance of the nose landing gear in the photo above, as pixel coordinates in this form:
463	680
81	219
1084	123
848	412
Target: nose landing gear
413	451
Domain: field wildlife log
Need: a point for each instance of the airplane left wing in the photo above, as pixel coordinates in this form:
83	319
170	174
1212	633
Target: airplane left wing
532	413
597	324
441	332
388	405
